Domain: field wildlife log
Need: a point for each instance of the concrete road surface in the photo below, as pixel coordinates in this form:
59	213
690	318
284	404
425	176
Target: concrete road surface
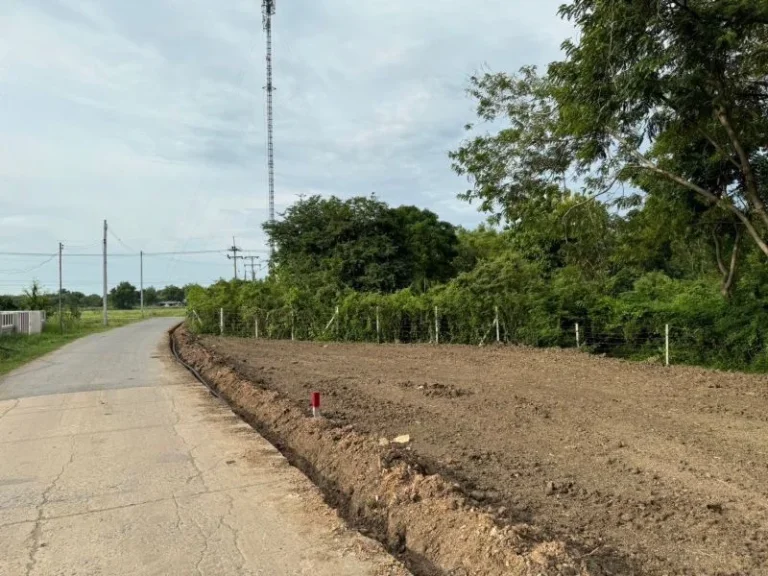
114	460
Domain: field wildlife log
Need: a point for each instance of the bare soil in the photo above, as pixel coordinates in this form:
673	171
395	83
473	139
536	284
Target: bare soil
625	468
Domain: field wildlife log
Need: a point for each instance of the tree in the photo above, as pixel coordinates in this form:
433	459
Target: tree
124	296
362	244
172	293
92	301
35	298
8	303
654	91
151	296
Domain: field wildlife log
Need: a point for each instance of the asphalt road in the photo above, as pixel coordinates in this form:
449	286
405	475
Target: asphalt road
115	461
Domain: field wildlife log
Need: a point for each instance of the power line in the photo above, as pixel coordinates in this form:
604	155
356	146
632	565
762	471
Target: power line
30	269
116	237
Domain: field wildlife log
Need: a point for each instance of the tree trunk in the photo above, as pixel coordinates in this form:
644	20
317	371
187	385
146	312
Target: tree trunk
729	273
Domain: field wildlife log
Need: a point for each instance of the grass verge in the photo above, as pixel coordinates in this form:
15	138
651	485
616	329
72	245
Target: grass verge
17	349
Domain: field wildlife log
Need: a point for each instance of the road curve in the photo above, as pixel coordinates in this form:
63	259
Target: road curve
115	461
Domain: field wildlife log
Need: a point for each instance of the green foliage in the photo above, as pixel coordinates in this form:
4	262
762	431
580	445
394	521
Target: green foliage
171	293
8	303
666	97
124	296
35	298
151	296
362	244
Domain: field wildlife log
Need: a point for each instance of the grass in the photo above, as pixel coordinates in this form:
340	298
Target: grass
17	349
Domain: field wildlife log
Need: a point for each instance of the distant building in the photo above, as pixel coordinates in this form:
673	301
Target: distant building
170	304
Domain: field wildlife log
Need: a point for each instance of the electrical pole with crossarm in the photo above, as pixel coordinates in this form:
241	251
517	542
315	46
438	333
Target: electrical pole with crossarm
234	249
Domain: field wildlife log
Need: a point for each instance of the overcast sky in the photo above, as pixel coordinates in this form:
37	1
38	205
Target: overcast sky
150	113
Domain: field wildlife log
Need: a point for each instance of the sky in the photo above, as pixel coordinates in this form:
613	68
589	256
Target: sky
150	114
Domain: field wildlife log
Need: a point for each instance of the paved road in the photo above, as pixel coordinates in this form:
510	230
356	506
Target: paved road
114	460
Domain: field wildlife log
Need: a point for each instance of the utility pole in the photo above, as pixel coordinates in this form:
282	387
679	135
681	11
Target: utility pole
141	282
104	297
61	285
253	260
234	256
268	10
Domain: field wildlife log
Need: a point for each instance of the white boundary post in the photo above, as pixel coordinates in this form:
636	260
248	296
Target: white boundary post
293	326
437	327
221	321
256	325
666	344
336	314
378	326
578	340
496	321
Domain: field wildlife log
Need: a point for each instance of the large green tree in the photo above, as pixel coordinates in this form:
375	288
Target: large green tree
362	244
666	96
171	293
124	296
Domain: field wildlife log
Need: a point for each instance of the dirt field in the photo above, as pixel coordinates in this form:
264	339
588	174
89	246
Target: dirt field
642	469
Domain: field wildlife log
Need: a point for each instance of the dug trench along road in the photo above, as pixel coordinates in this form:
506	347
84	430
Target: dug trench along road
114	460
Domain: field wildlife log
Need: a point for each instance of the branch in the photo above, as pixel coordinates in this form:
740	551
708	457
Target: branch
593	197
720	149
725	203
718	258
746	167
734	256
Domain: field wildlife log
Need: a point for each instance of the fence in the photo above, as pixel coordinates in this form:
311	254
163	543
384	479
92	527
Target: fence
373	323
22	322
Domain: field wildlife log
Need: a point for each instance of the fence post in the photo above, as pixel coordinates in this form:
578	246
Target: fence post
578	342
437	327
256	325
221	321
496	321
293	325
666	344
378	327
336	314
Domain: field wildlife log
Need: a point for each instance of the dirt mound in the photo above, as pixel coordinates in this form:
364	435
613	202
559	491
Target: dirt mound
383	490
435	389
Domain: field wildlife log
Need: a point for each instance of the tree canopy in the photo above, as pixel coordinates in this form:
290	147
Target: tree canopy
124	296
663	98
362	244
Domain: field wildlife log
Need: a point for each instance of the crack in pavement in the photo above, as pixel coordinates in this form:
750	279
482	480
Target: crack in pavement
235	531
37	529
190	449
143	502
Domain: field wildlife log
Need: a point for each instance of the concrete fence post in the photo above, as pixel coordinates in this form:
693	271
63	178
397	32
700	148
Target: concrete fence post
437	327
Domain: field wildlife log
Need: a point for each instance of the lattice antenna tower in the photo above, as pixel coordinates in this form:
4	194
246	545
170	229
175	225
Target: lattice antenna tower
268	10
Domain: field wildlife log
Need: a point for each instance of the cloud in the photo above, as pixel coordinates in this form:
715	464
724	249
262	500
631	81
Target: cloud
150	113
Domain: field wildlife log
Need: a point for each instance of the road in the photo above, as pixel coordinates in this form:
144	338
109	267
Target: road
114	460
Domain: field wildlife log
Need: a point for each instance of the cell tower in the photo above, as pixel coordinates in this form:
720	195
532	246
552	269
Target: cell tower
268	10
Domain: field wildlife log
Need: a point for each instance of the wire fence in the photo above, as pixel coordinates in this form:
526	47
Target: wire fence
375	324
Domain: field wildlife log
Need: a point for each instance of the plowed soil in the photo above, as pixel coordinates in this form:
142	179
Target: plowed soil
642	469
